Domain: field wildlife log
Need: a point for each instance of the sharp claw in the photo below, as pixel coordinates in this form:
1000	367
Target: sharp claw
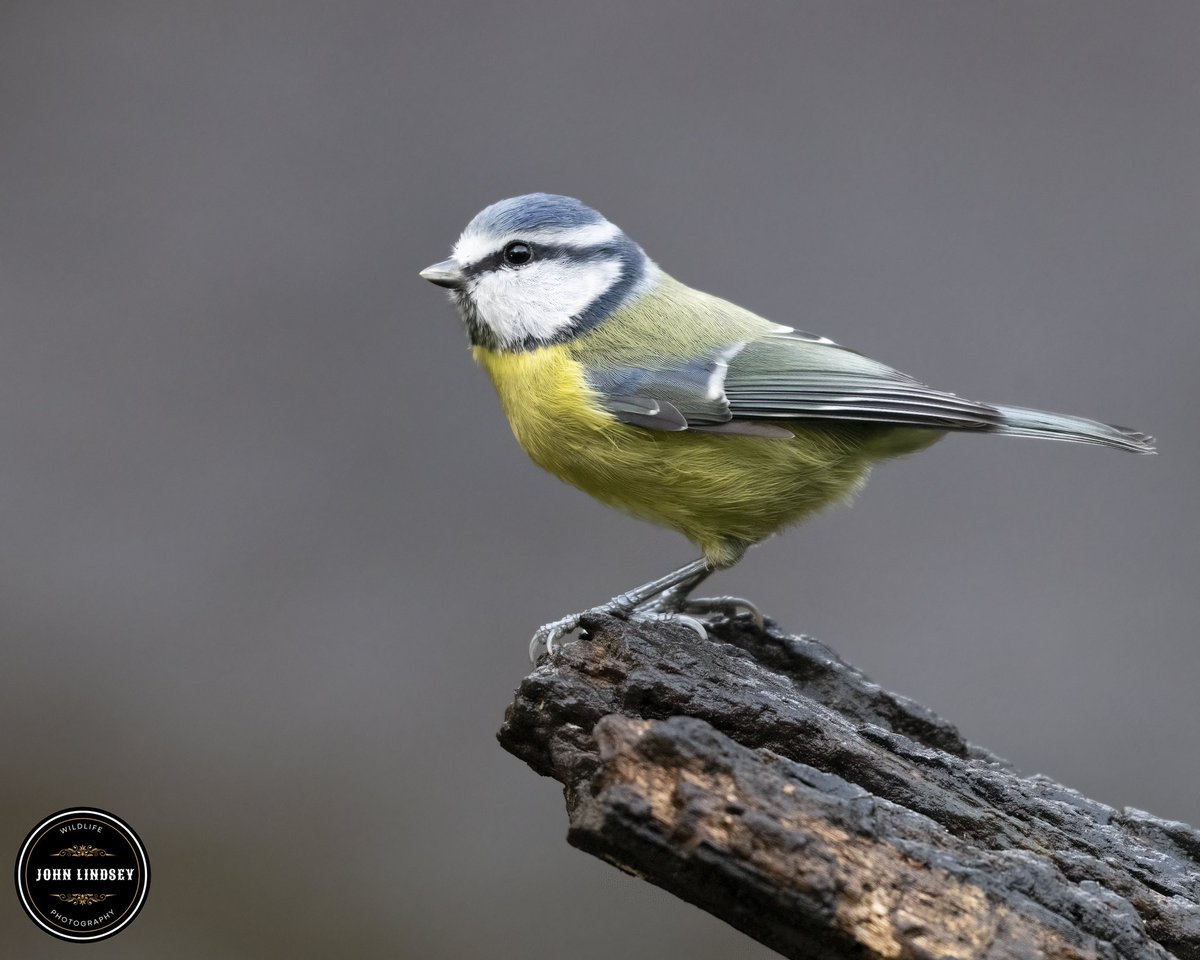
727	605
546	637
696	625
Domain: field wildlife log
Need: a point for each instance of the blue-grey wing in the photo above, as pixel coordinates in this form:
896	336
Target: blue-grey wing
673	397
784	375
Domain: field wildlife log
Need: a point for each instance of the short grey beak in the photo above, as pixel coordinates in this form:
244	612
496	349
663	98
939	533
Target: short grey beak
445	274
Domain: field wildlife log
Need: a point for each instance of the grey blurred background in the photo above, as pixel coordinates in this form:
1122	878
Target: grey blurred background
269	557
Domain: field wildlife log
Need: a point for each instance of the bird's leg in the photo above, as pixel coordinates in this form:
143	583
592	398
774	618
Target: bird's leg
673	598
633	604
676	600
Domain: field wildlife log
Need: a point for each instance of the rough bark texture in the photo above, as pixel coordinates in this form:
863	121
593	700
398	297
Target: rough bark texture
763	779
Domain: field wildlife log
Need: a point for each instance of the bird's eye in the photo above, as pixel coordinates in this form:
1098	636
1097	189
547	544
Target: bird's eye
517	253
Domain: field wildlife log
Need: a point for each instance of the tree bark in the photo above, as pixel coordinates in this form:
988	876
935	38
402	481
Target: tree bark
763	779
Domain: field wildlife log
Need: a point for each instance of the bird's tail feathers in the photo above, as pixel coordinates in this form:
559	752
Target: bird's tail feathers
1019	422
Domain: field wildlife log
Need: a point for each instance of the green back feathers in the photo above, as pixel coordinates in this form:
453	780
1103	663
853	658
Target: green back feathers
670	323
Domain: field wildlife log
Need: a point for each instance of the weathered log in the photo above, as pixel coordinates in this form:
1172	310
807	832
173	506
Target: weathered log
763	779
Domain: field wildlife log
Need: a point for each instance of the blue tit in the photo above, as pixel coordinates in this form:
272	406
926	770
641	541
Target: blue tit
682	408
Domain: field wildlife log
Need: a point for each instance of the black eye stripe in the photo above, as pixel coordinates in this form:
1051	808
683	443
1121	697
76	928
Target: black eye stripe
546	251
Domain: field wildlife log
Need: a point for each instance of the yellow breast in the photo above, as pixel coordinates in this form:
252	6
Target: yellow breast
723	492
553	412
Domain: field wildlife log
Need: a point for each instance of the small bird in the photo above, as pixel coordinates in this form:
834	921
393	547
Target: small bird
682	408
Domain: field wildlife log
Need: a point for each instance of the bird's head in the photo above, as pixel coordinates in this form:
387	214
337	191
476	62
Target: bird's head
540	269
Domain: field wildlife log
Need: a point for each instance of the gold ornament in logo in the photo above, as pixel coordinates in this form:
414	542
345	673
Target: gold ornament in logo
82	899
82	850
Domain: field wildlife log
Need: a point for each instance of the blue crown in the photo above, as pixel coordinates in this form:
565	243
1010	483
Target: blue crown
534	210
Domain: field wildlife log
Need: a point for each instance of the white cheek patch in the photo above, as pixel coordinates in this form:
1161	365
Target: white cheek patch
538	301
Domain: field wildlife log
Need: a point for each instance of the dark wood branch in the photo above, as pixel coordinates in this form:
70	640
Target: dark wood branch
763	779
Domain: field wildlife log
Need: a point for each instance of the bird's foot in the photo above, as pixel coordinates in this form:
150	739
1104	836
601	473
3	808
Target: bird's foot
548	637
703	608
706	607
